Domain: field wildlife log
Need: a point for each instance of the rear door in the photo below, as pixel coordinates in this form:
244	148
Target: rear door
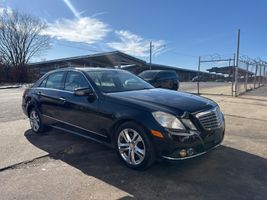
49	94
166	81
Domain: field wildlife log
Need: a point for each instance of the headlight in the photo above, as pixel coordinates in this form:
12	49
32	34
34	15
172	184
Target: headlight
167	120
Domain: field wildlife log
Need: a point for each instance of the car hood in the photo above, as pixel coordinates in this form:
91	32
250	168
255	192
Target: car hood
167	99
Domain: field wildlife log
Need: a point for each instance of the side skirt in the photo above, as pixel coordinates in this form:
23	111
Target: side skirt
87	136
60	125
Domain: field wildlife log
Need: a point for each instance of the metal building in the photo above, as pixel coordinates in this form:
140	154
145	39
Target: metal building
114	59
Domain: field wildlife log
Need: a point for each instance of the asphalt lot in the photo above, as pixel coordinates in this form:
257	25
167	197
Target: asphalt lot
220	88
10	104
62	166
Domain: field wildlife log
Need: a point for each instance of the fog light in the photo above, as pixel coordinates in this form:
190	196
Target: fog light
182	153
190	151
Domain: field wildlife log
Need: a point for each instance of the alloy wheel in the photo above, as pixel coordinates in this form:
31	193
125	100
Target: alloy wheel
131	146
34	121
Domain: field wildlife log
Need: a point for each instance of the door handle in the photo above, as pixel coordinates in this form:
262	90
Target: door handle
39	93
62	99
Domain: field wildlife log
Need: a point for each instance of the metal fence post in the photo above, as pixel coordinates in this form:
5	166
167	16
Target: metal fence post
260	76
198	72
233	77
265	75
255	77
246	79
237	62
236	78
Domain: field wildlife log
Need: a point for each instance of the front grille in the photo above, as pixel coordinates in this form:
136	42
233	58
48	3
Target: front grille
211	119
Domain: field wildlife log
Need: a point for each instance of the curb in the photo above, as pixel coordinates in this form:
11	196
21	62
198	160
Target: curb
9	87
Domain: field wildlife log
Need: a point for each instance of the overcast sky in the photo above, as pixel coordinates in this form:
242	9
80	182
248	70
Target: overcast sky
181	30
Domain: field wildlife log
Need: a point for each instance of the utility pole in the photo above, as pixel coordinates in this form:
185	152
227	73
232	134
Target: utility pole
150	53
237	61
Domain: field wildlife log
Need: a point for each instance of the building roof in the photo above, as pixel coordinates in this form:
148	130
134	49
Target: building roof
109	59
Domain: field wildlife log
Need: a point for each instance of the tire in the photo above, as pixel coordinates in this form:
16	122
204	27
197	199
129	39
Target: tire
134	146
175	87
36	123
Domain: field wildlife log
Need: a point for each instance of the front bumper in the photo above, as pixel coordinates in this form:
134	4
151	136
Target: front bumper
186	146
192	156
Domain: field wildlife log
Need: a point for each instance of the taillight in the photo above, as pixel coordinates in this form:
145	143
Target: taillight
24	93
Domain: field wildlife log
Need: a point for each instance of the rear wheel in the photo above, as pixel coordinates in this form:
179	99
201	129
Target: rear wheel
36	123
175	87
134	146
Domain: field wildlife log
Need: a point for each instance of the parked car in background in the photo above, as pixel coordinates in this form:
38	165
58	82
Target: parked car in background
199	79
167	79
220	80
121	110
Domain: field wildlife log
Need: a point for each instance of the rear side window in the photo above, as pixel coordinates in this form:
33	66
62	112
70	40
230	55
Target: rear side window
75	80
148	74
55	80
168	74
43	83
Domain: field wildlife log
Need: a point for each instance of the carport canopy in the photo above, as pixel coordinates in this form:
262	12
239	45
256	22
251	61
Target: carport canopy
229	70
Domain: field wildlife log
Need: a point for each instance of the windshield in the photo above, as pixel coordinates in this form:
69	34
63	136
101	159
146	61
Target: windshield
109	81
148	74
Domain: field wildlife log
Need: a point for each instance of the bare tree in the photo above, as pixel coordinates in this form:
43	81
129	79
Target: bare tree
21	38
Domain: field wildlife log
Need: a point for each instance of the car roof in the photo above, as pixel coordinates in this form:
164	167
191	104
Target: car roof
157	71
86	69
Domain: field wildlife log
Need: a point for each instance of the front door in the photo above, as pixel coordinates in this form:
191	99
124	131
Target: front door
79	111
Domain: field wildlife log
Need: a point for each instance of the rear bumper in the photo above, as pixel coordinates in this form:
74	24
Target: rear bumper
24	107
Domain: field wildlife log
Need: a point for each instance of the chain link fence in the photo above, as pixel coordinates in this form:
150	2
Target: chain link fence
219	78
225	76
251	75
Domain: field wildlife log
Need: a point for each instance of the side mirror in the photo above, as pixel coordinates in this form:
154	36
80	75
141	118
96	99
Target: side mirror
83	92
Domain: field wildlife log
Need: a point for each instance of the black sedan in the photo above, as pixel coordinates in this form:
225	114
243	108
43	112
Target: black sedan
167	79
121	110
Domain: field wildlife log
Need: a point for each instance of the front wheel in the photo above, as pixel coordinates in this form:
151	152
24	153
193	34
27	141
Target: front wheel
174	86
36	123
134	146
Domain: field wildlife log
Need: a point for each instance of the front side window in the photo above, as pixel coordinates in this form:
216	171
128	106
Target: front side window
55	80
109	81
75	80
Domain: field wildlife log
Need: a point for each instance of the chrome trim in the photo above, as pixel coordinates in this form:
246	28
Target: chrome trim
181	133
54	89
193	156
74	126
213	116
206	112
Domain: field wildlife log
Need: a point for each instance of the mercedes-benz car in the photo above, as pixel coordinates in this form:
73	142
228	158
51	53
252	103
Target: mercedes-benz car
117	108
